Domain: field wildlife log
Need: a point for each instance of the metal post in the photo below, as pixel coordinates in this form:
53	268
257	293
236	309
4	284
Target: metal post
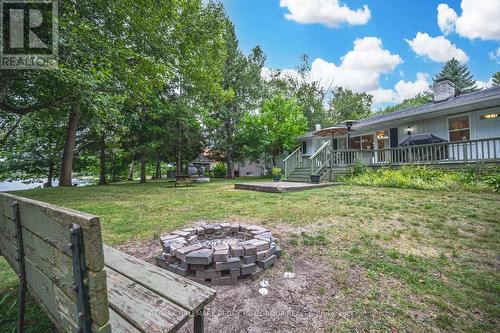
21	296
199	324
79	271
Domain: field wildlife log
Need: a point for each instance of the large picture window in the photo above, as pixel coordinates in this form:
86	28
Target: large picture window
459	128
361	142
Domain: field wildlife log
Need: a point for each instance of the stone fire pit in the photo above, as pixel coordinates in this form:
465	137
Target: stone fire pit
218	254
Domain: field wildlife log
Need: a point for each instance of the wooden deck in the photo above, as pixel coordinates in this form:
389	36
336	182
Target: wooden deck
280	187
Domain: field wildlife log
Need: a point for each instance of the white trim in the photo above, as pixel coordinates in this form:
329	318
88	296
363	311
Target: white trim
458	116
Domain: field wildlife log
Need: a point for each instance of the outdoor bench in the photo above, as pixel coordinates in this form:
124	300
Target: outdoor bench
85	286
183	180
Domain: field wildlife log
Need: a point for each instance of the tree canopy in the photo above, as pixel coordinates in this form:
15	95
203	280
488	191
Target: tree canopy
459	74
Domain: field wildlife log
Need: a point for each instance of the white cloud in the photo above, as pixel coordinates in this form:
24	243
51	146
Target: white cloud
382	96
359	69
495	55
409	89
479	19
402	90
328	12
484	85
437	49
446	18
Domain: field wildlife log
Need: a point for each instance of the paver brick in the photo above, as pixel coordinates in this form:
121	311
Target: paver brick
267	262
248	269
221	255
181	253
230	264
250	249
208	274
248	259
200	257
236	250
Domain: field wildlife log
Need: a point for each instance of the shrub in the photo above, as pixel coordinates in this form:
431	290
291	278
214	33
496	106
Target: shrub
276	171
425	178
220	170
357	169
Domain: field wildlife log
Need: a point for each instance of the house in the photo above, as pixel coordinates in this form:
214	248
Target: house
449	132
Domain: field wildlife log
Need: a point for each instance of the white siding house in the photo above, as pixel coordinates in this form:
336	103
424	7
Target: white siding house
464	128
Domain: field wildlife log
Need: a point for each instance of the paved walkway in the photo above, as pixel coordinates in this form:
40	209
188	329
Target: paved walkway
280	187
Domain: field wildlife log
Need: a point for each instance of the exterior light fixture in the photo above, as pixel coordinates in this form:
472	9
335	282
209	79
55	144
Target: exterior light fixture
348	124
408	130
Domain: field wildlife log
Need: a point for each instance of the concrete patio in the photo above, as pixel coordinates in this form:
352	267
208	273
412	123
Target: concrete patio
280	187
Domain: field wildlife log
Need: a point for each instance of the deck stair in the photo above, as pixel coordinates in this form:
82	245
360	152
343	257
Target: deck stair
302	174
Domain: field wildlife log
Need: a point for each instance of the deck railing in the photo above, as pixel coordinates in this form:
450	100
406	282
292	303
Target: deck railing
487	150
320	159
292	162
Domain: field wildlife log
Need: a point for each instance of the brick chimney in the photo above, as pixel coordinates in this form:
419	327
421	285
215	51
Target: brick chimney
443	89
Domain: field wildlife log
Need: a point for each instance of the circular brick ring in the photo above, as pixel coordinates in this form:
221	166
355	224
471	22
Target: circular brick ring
218	254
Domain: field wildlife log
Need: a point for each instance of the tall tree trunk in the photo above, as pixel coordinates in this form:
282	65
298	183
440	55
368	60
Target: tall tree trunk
131	171
230	164
158	165
50	174
179	149
102	160
113	168
143	169
69	147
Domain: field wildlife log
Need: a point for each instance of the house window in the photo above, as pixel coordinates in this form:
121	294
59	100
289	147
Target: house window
304	147
361	142
490	116
383	139
459	129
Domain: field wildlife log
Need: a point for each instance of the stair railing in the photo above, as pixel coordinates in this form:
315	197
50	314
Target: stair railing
320	159
292	162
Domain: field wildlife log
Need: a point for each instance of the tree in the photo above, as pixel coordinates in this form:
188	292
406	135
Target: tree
496	79
310	95
420	99
242	85
274	129
459	74
34	149
347	104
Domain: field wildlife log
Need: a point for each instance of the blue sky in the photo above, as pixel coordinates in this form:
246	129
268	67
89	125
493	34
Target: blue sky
327	29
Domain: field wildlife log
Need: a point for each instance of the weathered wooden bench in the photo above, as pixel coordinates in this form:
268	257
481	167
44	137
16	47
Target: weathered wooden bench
85	286
183	180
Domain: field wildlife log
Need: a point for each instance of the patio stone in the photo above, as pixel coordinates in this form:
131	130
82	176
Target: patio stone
181	252
230	264
248	269
221	255
267	262
200	257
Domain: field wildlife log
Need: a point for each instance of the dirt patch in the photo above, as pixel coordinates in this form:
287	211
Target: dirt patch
327	294
292	304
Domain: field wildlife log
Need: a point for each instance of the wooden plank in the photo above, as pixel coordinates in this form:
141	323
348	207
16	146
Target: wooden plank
119	324
143	308
9	251
61	308
58	267
182	291
52	223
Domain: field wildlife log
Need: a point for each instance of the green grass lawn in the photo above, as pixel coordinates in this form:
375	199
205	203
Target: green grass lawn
427	261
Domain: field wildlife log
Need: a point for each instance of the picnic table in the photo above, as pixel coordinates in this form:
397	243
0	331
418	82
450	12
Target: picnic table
184	179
